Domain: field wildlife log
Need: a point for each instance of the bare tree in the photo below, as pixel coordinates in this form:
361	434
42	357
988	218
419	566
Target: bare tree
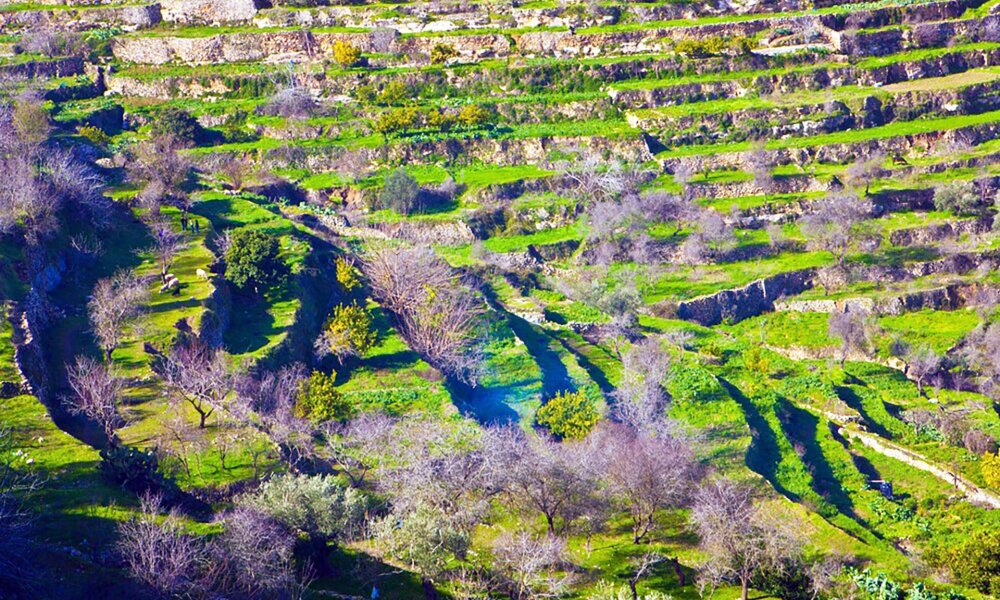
923	362
739	539
863	171
527	563
253	557
437	315
160	165
267	401
160	555
115	303
646	473
761	166
544	476
199	375
355	448
835	224
853	331
96	393
640	399
18	571
167	242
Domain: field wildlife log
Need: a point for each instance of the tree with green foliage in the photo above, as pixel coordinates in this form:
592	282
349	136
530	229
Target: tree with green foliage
253	260
349	332
176	123
397	120
318	507
346	54
320	401
401	193
569	415
976	562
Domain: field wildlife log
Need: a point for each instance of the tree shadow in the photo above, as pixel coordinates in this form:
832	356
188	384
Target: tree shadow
763	455
853	400
555	377
802	427
250	324
485	405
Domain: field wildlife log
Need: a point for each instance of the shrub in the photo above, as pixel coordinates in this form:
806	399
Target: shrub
400	193
349	331
346	54
347	275
990	468
95	135
569	415
397	121
976	562
131	468
474	115
253	261
177	123
441	53
319	400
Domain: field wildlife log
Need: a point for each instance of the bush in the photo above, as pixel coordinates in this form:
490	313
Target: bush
400	193
346	55
397	121
94	135
441	53
347	275
474	115
320	401
131	468
253	261
349	331
177	123
990	468
569	415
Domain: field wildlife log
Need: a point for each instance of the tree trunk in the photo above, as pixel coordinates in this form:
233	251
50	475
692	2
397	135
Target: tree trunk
744	588
678	571
551	523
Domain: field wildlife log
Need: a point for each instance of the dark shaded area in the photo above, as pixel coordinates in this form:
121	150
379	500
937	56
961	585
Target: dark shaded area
853	400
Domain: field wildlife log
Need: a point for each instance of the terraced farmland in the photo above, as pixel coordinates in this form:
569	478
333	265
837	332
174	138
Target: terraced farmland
467	299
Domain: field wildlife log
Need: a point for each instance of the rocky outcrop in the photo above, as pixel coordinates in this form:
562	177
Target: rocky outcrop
951	297
208	12
139	16
930	234
282	46
748	301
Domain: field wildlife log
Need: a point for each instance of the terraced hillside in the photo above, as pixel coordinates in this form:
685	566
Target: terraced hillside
490	299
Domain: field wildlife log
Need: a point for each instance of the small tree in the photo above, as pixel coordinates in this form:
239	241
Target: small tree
159	555
836	224
115	303
346	54
198	374
253	260
167	242
96	392
976	562
852	329
740	541
401	193
958	198
442	53
318	507
349	332
320	401
923	362
569	415
177	123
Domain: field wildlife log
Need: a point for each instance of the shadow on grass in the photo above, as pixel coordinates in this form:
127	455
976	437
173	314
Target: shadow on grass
853	400
250	325
555	377
802	427
763	455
